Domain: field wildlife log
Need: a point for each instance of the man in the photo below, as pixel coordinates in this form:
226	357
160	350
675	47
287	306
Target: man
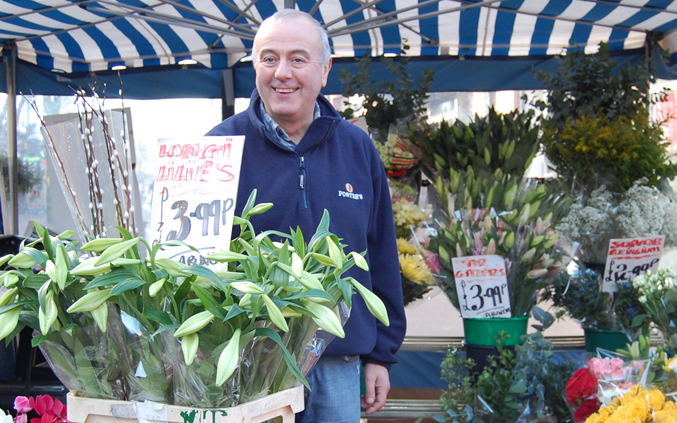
304	158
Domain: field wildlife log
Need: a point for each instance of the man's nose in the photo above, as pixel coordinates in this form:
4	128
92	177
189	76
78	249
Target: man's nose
283	70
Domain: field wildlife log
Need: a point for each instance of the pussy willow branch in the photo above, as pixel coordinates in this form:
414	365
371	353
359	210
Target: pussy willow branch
85	113
52	146
125	174
111	151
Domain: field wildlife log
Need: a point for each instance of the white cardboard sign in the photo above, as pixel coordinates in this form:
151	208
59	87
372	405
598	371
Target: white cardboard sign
628	258
482	286
194	195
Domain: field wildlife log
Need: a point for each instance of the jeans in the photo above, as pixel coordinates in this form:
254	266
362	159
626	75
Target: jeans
335	394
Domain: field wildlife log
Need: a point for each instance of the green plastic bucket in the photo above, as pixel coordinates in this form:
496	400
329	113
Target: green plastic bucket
482	331
610	340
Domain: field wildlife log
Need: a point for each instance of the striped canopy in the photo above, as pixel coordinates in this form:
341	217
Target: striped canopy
93	35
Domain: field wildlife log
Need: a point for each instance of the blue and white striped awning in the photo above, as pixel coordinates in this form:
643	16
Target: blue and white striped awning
93	35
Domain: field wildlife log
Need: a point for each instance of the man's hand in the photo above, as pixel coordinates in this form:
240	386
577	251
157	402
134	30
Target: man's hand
377	385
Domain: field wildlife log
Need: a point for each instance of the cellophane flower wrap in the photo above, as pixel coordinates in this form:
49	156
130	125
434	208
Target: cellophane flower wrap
637	404
658	293
214	321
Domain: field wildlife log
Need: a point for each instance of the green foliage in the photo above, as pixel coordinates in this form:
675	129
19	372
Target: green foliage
586	85
506	142
598	130
589	152
456	370
580	296
29	174
509	382
385	103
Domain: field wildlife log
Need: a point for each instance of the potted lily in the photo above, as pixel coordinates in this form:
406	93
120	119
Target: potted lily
487	211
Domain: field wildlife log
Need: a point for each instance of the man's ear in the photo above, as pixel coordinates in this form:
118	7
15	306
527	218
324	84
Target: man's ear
325	72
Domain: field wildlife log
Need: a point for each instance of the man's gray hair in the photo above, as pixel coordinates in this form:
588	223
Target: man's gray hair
286	15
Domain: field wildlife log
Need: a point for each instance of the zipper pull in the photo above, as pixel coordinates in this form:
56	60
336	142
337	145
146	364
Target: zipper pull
302	178
301	181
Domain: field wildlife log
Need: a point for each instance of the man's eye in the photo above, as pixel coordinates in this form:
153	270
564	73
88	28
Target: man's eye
268	60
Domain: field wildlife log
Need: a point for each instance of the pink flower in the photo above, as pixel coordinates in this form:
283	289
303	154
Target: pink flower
58	409
433	262
22	405
21	418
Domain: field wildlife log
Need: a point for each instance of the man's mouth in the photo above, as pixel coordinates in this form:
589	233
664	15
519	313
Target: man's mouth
284	90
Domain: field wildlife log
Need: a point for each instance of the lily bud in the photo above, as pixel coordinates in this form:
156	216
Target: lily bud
226	256
155	287
260	208
537	240
275	314
509	240
90	301
47	316
100	244
537	273
116	251
491	247
529	255
374	303
8	321
547	263
100	315
8	296
228	359
551	240
334	253
289	313
247	287
540	227
526	211
296	265
325	318
360	261
88	268
10	279
189	346
194	324
22	261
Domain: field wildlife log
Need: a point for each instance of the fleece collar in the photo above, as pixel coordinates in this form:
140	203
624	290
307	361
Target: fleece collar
318	132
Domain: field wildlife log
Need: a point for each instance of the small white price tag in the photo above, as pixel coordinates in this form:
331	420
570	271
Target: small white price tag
628	258
194	196
482	286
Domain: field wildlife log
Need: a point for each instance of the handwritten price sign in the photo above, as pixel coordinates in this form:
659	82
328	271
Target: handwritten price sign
194	195
630	257
482	286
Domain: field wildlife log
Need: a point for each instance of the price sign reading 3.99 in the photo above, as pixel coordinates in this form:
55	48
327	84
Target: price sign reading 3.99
482	286
194	195
628	258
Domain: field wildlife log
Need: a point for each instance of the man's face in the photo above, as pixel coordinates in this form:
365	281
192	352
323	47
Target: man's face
289	75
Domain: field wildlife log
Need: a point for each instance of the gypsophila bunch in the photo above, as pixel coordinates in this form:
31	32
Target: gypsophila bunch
640	211
659	295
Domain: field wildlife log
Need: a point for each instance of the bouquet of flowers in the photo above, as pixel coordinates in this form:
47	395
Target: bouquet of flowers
213	319
600	382
658	293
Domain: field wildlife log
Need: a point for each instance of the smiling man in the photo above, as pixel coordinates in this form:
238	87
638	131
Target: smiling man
304	158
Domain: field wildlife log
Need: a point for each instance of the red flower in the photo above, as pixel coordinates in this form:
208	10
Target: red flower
586	409
581	386
43	404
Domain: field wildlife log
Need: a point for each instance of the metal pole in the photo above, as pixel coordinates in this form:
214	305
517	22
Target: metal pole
9	51
227	94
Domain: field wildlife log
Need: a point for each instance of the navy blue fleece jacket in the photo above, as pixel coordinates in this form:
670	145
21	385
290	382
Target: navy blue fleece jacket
334	167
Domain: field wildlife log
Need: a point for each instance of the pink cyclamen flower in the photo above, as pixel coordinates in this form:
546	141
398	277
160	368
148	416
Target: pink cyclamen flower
21	418
43	404
58	409
22	405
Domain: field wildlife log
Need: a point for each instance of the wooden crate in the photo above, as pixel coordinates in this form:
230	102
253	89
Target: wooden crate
89	410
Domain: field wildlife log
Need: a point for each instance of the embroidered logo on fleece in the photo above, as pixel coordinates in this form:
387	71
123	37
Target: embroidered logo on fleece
349	193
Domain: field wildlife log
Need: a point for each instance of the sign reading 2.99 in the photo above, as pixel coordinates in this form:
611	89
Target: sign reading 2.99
628	258
482	286
194	195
